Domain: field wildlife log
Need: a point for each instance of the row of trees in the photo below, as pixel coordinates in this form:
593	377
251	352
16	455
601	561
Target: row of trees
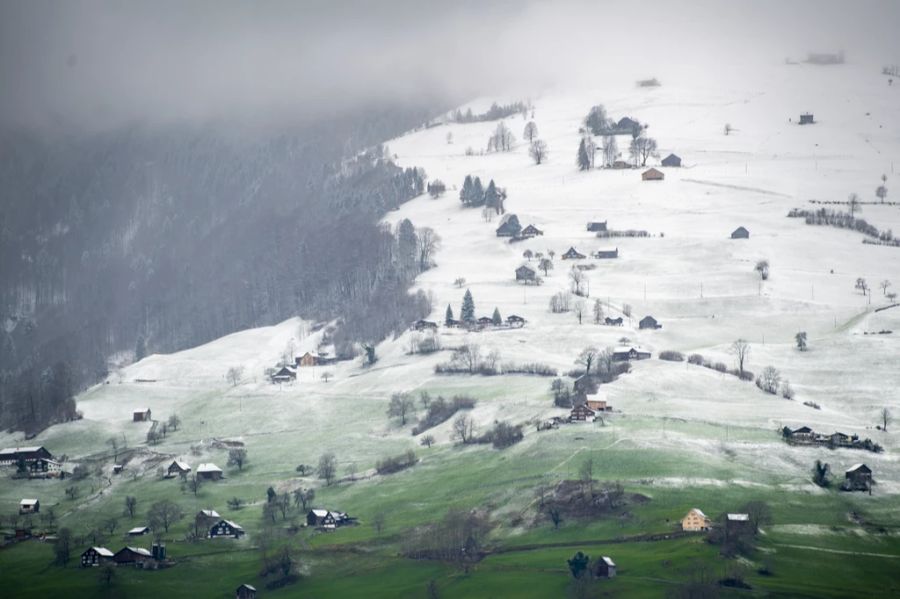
474	194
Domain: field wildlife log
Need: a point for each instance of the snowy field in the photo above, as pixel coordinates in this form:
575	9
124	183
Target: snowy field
725	430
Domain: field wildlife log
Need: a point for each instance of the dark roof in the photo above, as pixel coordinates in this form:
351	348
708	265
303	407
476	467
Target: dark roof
740	232
671	160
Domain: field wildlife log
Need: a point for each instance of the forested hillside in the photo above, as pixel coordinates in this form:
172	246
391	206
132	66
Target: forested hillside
153	240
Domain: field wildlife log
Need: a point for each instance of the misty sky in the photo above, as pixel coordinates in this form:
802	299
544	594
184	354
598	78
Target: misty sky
93	65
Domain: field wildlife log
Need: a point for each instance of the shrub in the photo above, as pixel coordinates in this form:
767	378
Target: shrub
721	367
502	435
695	359
535	368
671	356
441	410
396	463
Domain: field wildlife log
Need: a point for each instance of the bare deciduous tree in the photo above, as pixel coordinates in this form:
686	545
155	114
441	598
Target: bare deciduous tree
577	278
237	457
641	149
587	357
463	428
234	375
429	242
762	267
546	265
741	349
130	505
886	418
538	151
327	469
579	310
884	286
401	406
531	131
853	204
164	513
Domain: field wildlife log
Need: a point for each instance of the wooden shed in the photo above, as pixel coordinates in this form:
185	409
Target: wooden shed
653	175
740	233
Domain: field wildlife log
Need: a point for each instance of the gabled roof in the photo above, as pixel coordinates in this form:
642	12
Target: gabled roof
142	410
739	517
139	551
697	511
624	349
138	530
208	468
859	467
248	587
180	464
210	513
608	561
29	502
12	451
102	551
318	513
233	524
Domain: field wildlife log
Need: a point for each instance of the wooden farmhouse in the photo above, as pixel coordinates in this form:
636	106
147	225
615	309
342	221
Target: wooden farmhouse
582	413
96	556
526	274
620	165
132	555
596	403
424	325
485	321
530	231
206	518
178	468
12	456
44	468
648	322
515	322
605	568
138	531
307	359
285	375
695	521
671	160
627	353
807	119
29	506
327	519
245	591
858	478
142	415
225	529
510	226
209	472
627	126
596	227
653	174
606	254
572	254
740	233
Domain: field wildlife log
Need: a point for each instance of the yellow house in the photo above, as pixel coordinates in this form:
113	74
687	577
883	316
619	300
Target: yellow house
695	520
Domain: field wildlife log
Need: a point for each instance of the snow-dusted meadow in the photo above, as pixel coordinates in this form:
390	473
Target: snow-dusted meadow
689	275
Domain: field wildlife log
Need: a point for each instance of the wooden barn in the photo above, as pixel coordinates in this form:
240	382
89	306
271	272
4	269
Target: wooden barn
606	254
648	322
132	555
29	506
245	591
858	477
653	174
225	529
327	519
582	413
530	231
510	227
206	518
671	160
572	254
178	468
596	227
740	233
627	125
307	359
613	322
138	531
620	165
142	415
514	321
209	472
96	556
14	455
424	325
44	468
525	273
807	119
695	521
597	404
605	568
285	375
626	354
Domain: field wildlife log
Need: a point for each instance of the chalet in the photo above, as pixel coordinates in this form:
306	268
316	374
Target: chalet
595	403
671	160
29	506
327	519
12	456
858	477
209	472
510	227
307	359
738	523
620	164
206	518
96	556
572	254
626	353
653	174
807	119
596	227
605	568
285	375
485	321
44	468
142	415
695	521
178	468
839	438
530	231
582	413
225	529
606	254
804	432
648	322
132	555
515	322
138	531
740	233
525	273
614	322
245	591
452	323
424	325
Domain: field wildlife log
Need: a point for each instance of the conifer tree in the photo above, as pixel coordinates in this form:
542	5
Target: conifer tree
467	313
584	160
496	318
465	194
448	316
477	192
491	197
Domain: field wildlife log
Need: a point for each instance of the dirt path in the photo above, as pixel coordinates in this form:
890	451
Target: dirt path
839	551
